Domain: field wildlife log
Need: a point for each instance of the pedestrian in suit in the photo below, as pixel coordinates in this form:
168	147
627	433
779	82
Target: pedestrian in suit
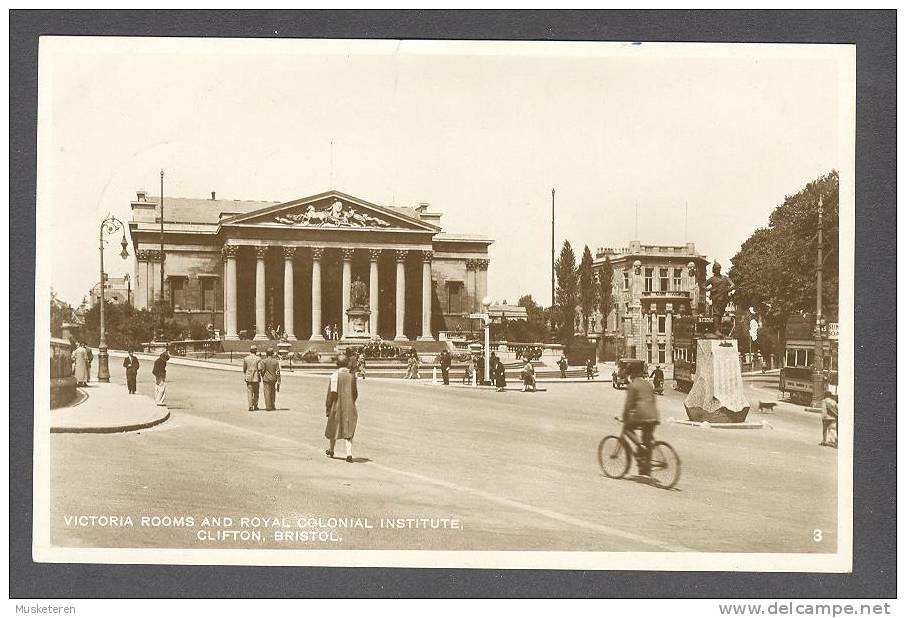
269	368
445	361
131	364
342	415
252	377
563	364
640	413
160	379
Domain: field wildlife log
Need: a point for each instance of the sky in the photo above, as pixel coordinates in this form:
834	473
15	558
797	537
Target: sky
632	137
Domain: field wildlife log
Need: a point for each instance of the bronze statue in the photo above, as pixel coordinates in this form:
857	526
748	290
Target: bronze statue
720	287
358	294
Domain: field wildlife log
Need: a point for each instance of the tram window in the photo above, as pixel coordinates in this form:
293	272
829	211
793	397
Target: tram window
791	358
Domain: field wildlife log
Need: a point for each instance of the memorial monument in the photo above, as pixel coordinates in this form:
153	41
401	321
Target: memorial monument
717	394
358	315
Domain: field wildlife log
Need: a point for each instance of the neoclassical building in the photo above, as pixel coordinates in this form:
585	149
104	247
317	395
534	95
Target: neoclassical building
247	266
651	284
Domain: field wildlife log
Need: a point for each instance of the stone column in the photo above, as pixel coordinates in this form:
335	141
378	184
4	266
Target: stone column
400	295
347	281
260	289
472	285
669	335
373	290
426	296
230	253
288	304
482	280
316	254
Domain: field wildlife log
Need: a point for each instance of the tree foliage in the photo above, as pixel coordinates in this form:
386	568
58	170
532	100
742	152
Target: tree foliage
537	327
605	289
774	270
60	312
588	289
127	327
567	292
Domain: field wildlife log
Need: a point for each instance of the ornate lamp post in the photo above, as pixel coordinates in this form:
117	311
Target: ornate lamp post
110	225
818	369
486	319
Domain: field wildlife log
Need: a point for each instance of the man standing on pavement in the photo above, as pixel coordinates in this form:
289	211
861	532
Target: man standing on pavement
445	361
160	379
829	420
269	368
131	364
562	364
252	377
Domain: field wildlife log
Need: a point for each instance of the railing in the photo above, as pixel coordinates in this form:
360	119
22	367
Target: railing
60	358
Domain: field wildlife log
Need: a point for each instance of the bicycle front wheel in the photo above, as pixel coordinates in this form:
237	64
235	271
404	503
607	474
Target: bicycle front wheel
613	457
665	465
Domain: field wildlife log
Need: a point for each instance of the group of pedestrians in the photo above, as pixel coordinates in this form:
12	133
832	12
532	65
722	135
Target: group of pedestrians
261	371
332	332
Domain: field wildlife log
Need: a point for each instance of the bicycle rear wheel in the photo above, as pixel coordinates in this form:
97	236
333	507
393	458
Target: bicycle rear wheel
665	465
613	457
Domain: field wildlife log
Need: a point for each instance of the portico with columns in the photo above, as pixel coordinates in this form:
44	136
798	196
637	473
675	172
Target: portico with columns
289	266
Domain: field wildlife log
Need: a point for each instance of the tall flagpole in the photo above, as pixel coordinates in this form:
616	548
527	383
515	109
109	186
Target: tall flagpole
553	194
162	251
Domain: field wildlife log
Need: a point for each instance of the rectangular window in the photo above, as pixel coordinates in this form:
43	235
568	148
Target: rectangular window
454	296
665	279
661	353
178	292
625	280
661	324
207	293
677	279
651	353
649	279
790	358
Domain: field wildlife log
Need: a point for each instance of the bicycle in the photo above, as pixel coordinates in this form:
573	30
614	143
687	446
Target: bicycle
615	453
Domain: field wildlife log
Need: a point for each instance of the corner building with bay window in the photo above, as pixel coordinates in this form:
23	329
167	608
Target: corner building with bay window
247	266
651	285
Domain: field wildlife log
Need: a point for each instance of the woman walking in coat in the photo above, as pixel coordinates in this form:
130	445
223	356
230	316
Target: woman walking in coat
342	415
160	379
412	371
498	373
80	364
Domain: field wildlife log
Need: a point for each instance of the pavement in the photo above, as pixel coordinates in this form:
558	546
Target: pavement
517	471
107	408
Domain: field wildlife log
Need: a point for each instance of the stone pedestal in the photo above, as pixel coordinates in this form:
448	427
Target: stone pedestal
357	321
717	393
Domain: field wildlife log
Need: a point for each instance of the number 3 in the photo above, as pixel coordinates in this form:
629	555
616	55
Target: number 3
817	535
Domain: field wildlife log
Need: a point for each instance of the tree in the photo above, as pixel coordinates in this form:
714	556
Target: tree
774	270
60	312
535	329
567	292
588	290
605	289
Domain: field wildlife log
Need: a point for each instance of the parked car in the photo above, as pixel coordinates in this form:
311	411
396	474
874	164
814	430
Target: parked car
621	375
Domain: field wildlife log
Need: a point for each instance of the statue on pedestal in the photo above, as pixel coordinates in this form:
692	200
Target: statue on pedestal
358	293
358	313
720	288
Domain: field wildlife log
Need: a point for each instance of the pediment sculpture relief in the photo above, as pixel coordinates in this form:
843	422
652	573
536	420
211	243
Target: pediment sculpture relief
337	214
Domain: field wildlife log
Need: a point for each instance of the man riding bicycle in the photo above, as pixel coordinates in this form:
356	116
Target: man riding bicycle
640	412
658	376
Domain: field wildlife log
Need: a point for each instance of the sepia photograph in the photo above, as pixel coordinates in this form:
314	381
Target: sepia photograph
461	304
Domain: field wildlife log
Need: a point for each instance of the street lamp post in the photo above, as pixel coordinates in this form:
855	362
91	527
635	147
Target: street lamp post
110	225
486	303
818	369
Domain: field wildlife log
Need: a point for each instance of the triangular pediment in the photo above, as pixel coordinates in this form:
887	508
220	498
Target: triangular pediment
332	210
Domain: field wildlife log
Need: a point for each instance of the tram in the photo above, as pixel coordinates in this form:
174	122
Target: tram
799	359
686	331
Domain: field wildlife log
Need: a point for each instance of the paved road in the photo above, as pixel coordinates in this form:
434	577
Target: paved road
491	470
